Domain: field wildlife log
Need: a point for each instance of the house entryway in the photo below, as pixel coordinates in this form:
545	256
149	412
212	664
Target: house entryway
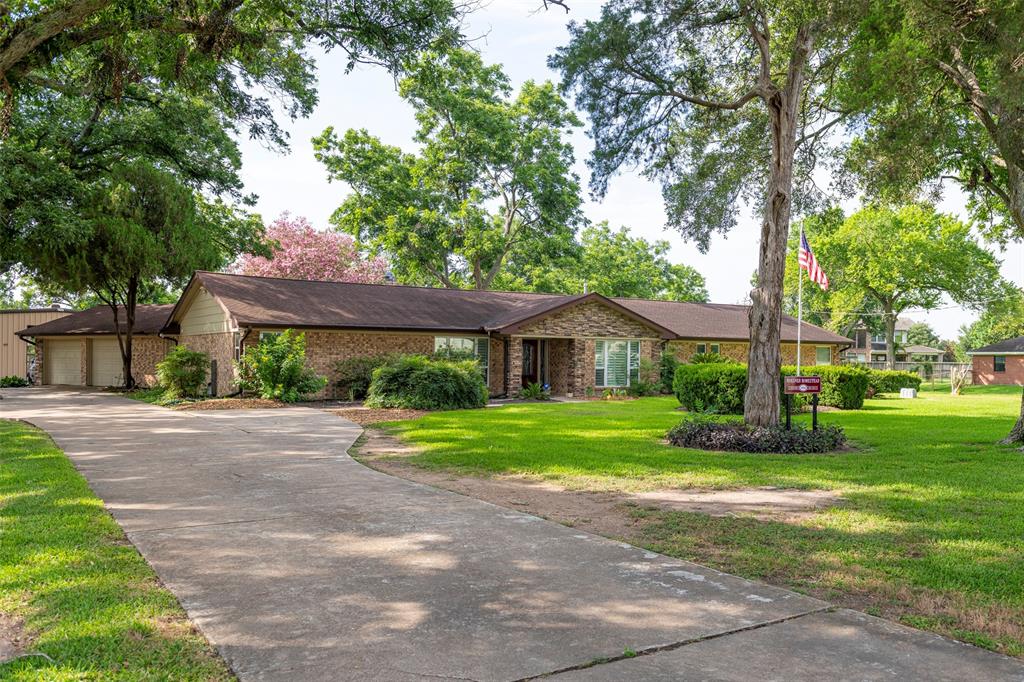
533	361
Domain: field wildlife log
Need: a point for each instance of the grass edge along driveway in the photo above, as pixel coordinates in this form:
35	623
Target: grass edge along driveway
931	533
88	599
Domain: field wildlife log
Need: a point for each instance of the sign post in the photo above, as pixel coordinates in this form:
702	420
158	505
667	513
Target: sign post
802	386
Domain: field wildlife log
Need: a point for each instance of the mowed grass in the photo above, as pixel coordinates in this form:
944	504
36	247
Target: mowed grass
85	595
931	532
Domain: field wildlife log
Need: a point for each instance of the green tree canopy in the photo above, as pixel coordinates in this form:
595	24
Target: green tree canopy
140	225
922	334
1002	318
909	257
493	177
937	90
613	263
722	103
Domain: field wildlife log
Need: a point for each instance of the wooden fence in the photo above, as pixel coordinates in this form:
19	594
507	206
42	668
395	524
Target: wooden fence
938	371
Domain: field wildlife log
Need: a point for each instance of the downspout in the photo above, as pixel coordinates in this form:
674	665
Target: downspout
504	368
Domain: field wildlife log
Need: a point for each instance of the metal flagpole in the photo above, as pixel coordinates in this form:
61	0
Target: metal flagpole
799	300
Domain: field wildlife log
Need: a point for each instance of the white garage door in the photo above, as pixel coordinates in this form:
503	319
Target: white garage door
63	362
105	368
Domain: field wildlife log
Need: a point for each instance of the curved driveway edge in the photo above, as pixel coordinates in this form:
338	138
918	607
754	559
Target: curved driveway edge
298	563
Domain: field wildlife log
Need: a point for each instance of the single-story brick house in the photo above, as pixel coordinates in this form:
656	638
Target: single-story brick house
573	343
999	363
81	349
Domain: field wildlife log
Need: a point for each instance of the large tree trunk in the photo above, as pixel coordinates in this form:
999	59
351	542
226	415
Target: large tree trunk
761	401
125	335
890	338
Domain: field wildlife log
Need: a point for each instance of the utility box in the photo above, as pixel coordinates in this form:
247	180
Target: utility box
908	392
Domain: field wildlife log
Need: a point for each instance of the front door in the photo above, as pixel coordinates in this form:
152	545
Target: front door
531	361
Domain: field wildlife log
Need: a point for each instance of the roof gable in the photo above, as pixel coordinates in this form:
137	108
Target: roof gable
536	318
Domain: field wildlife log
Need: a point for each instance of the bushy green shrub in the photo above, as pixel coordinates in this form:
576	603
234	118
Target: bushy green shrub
842	386
891	381
354	375
668	364
647	381
182	373
709	358
13	381
711	387
708	434
276	369
417	382
719	387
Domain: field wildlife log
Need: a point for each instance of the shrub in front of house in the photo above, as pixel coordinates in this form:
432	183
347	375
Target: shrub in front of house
711	387
182	373
421	383
354	375
276	369
13	381
703	433
647	381
842	386
891	381
709	358
719	387
667	364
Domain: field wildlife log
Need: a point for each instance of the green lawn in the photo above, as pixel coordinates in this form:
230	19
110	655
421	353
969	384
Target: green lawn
932	533
85	594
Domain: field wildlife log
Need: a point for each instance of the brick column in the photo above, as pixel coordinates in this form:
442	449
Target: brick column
514	369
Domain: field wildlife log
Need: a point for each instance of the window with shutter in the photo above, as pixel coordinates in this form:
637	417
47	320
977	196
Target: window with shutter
599	363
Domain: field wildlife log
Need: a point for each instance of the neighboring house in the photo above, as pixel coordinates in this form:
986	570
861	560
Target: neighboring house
17	356
870	347
999	363
572	343
81	349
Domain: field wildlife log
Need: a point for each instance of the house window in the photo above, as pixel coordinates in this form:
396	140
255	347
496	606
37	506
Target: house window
713	348
616	362
823	355
999	363
237	341
468	346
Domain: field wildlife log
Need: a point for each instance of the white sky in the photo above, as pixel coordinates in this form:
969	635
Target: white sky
512	33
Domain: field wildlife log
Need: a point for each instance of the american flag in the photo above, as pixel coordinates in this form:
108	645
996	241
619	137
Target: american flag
809	263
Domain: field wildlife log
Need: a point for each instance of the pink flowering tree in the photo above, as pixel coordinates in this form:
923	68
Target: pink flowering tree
302	252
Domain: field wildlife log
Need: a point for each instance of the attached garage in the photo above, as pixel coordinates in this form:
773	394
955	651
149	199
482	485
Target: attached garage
105	367
82	348
63	362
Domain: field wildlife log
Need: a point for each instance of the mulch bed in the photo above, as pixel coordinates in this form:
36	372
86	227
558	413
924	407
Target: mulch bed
230	404
370	415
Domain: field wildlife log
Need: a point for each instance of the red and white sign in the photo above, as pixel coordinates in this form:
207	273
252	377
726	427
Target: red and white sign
798	385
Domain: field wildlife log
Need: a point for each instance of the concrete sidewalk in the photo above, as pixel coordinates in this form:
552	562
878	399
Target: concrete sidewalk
298	563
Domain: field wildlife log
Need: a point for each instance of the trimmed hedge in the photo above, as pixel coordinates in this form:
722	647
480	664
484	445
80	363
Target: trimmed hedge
355	374
707	434
419	383
719	387
891	380
13	381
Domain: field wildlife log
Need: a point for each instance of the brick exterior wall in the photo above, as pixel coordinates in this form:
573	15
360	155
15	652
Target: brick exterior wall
146	352
588	320
737	351
983	371
496	371
220	347
559	365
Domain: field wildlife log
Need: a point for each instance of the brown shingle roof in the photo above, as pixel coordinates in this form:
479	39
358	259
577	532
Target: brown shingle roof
275	302
149	319
719	321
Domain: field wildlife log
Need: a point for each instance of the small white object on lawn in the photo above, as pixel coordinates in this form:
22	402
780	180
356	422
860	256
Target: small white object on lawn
908	392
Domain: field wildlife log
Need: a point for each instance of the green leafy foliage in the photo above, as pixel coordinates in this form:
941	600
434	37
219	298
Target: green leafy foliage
275	369
719	387
13	381
610	262
1002	318
648	379
492	179
354	375
667	364
891	381
535	391
711	387
417	382
182	373
705	433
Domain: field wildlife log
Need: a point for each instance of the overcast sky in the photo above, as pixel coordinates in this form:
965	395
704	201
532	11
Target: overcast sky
512	33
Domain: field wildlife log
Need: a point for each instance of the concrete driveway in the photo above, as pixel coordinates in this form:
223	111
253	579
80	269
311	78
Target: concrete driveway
300	564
